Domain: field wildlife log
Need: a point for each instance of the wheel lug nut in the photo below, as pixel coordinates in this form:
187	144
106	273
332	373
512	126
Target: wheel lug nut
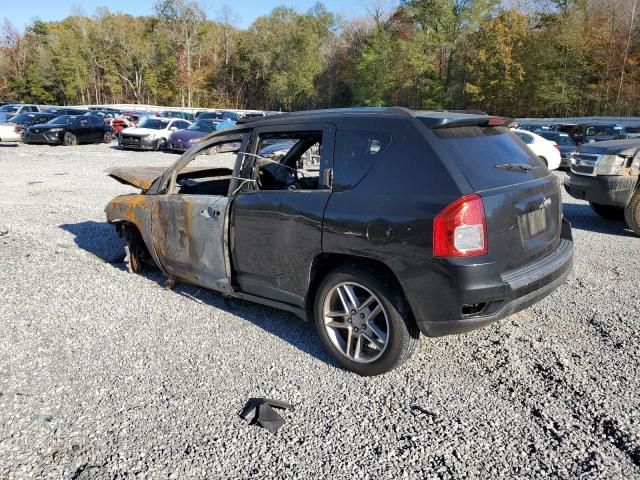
362	315
350	320
356	329
353	312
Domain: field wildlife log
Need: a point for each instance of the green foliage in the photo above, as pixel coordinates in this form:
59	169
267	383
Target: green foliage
576	58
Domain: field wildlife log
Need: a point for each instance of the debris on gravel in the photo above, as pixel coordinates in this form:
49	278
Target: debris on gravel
106	374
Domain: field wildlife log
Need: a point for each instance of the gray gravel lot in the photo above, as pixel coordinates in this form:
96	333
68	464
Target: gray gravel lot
104	374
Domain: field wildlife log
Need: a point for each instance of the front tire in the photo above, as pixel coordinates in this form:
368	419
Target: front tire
69	139
362	321
609	212
161	144
632	213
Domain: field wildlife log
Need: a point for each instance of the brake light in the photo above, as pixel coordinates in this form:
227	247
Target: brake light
17	128
496	121
557	146
460	230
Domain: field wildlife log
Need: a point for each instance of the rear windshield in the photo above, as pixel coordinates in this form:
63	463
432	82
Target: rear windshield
477	151
23	117
9	108
559	138
154	124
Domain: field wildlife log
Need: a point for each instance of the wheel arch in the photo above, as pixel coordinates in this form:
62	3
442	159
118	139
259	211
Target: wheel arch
325	263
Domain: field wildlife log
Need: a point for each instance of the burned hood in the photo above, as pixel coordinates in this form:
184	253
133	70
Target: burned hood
139	177
143	177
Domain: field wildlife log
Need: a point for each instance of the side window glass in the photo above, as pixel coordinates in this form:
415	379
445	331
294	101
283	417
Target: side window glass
209	172
355	154
83	122
289	161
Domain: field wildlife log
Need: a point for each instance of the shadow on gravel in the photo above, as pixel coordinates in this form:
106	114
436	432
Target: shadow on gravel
12	145
100	239
583	217
283	325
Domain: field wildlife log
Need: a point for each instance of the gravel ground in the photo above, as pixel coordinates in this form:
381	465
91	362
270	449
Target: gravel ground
104	374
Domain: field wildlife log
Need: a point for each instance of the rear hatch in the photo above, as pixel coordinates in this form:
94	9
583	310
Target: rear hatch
522	199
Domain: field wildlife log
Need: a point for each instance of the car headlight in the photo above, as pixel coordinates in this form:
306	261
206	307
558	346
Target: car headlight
611	165
55	130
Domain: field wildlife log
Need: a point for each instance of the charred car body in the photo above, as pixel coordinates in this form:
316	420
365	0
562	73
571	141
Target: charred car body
606	175
467	230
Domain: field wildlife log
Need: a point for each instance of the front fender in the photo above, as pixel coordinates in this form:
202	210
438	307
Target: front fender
136	209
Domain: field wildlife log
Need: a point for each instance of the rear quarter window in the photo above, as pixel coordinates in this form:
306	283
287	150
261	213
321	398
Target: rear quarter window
355	154
477	150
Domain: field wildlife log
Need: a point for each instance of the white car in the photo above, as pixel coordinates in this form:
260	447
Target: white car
545	150
151	134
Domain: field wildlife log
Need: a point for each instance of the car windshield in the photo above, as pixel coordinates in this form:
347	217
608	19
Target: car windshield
604	130
9	108
62	120
231	116
210	115
154	124
203	126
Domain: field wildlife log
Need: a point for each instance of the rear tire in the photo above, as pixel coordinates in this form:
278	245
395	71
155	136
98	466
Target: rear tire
632	213
370	341
108	137
609	212
69	139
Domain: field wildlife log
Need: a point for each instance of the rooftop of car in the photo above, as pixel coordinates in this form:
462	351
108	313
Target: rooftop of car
432	118
619	147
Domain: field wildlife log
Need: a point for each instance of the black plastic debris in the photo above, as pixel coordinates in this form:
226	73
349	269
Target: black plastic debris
260	411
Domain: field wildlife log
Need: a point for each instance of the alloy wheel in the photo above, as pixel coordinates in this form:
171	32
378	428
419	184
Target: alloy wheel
356	322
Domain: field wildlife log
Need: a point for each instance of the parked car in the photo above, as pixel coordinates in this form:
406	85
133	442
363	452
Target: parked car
605	174
121	122
69	130
176	114
13	129
545	150
151	134
65	111
415	222
13	109
182	140
565	143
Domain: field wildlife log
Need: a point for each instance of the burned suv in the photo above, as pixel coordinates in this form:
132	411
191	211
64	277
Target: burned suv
403	223
606	175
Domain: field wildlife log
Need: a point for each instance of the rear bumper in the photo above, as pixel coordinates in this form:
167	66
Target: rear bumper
605	190
496	296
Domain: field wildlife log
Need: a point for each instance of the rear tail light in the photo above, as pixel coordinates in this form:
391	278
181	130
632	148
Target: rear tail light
557	146
460	230
17	128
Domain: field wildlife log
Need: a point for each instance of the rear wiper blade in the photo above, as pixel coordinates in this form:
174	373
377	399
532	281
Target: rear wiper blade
523	167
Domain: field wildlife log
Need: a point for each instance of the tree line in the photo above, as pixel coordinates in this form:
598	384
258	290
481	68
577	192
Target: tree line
534	58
